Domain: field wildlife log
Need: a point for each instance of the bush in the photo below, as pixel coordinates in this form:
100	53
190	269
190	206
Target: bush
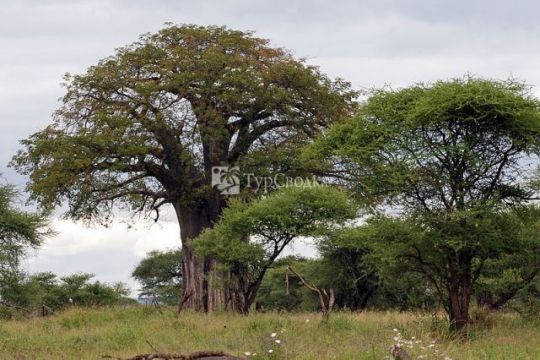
20	291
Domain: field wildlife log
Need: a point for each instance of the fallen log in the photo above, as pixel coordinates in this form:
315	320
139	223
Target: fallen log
202	355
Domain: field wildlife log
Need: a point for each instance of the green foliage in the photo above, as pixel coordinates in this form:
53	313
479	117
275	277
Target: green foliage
527	300
352	267
442	146
273	294
143	127
160	274
19	230
513	275
250	236
32	291
414	244
353	277
448	158
344	268
256	233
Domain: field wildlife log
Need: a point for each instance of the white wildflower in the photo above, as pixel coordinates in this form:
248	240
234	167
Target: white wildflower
273	334
247	353
278	341
270	351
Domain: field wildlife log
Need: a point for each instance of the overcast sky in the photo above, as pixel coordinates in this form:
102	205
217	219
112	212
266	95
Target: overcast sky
370	43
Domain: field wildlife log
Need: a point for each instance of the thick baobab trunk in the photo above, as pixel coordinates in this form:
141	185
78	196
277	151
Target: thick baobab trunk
193	267
198	277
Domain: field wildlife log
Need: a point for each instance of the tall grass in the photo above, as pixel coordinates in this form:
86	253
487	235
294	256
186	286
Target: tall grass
80	333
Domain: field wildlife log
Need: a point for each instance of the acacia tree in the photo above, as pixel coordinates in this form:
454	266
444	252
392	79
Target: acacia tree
343	266
442	151
250	236
143	128
160	276
19	230
425	245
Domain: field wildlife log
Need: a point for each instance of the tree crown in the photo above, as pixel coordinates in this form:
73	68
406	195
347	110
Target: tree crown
143	127
448	146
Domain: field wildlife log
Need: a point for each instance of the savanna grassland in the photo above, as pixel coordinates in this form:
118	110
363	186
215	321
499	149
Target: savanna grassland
91	333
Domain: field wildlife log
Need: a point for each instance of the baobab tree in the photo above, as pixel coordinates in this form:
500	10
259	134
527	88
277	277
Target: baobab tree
143	128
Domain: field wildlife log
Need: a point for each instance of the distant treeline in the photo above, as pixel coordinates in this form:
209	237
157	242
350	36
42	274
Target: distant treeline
45	293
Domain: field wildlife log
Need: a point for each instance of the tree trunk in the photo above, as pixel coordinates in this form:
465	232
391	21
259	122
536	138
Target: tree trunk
238	288
250	295
192	222
199	277
201	282
459	291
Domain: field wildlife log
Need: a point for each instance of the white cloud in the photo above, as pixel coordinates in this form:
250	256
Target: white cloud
110	253
75	237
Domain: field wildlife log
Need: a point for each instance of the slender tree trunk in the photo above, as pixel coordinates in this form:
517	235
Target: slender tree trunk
251	295
238	288
459	291
215	286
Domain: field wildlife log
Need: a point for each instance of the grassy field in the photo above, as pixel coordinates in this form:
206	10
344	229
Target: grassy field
91	333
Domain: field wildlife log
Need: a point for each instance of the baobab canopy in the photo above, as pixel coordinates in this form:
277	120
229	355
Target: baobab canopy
143	128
